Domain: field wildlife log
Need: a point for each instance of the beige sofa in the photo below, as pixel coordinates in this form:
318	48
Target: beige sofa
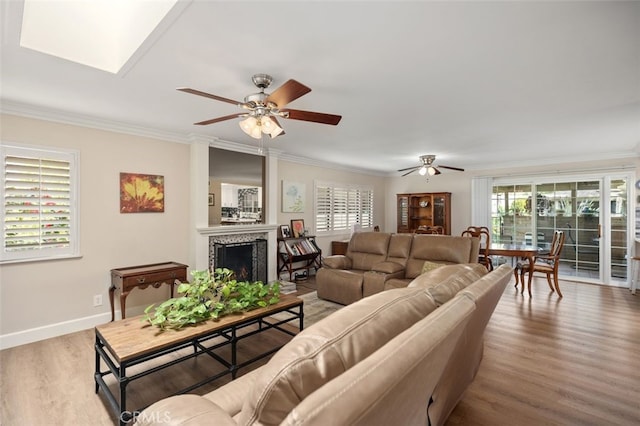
377	261
403	356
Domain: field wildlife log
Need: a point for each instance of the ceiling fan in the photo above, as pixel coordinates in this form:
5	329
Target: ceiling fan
427	167
262	110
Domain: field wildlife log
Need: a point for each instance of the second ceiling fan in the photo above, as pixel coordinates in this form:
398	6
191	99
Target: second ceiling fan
427	167
262	110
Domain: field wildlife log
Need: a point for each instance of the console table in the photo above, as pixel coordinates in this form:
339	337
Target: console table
143	276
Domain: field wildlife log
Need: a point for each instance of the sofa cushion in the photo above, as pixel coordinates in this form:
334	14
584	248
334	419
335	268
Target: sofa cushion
399	248
387	267
367	248
330	347
437	248
340	285
445	282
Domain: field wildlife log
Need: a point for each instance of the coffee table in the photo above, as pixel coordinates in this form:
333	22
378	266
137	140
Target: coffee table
132	341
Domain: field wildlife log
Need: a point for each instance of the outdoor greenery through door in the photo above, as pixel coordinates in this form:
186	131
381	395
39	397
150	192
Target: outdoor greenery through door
597	239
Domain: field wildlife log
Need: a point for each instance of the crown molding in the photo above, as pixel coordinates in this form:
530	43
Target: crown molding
62	117
48	114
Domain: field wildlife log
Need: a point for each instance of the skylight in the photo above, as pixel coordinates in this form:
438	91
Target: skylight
102	34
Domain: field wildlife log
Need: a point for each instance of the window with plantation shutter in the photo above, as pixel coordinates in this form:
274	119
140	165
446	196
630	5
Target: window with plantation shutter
339	207
39	195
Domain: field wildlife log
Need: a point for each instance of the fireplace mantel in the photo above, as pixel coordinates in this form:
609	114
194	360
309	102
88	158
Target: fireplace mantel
236	229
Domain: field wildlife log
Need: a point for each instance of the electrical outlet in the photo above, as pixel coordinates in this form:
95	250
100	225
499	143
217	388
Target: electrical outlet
97	300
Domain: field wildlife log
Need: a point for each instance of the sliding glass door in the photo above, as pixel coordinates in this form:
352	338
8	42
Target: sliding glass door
593	212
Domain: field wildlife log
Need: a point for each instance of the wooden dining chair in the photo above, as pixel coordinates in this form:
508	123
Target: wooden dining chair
483	233
547	263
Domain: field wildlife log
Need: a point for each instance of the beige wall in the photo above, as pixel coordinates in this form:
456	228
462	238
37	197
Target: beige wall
39	294
308	174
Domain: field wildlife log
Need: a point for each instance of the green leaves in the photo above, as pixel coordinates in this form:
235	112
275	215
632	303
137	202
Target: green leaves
210	296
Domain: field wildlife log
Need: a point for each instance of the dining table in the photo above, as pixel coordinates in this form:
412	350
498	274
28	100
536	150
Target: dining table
518	251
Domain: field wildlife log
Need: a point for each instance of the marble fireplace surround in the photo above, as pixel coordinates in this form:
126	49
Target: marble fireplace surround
238	234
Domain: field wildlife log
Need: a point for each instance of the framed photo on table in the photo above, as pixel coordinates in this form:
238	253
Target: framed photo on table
285	231
297	227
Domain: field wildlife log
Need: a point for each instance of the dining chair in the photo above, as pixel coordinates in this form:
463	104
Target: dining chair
483	233
547	263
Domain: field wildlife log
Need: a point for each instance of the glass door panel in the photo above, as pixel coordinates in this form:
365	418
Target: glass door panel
511	221
619	228
581	253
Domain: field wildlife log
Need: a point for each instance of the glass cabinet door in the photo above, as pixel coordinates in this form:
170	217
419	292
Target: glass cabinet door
403	213
439	210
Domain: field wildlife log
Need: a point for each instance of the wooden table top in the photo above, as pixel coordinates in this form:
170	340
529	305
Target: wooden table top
142	269
515	250
132	337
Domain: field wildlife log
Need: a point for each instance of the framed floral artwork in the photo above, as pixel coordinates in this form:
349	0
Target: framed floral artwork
293	195
140	193
297	227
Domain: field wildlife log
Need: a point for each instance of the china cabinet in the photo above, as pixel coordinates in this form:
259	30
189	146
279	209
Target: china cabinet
424	209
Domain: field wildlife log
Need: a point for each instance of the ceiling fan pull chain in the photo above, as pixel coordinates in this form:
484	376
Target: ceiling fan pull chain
261	145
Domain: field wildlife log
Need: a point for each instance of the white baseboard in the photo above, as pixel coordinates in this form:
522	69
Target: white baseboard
54	330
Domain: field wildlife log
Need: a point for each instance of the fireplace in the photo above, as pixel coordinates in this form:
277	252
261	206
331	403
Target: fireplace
247	259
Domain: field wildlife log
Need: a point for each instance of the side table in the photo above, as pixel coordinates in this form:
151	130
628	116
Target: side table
339	247
143	276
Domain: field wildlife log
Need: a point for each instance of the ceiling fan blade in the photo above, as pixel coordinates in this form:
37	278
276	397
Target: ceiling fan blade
409	168
437	171
451	168
289	91
209	95
316	117
216	120
408	173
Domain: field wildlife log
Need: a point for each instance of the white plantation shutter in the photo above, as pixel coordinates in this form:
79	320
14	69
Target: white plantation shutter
339	207
39	204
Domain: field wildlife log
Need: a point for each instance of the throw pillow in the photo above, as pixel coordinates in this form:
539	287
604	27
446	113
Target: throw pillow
430	266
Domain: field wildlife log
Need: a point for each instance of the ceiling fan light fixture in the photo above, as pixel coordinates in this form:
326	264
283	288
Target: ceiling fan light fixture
251	127
423	170
270	127
432	171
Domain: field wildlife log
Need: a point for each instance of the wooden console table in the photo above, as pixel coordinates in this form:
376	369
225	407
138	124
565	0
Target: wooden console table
143	276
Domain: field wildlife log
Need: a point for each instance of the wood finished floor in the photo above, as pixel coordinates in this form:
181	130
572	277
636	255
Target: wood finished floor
547	361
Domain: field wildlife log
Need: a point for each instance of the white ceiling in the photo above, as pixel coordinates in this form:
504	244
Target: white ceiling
479	84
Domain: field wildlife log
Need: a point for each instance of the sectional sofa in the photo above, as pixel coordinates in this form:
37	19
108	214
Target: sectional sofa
377	261
402	356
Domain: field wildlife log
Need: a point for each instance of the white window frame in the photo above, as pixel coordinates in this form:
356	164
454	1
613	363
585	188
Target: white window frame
42	252
359	207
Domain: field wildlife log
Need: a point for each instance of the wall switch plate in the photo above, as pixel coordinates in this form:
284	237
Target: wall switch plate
97	300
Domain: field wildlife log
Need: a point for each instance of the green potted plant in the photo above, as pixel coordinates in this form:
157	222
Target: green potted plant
210	296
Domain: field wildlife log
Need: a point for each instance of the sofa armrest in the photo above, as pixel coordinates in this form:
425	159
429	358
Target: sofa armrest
183	410
374	282
337	261
387	267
